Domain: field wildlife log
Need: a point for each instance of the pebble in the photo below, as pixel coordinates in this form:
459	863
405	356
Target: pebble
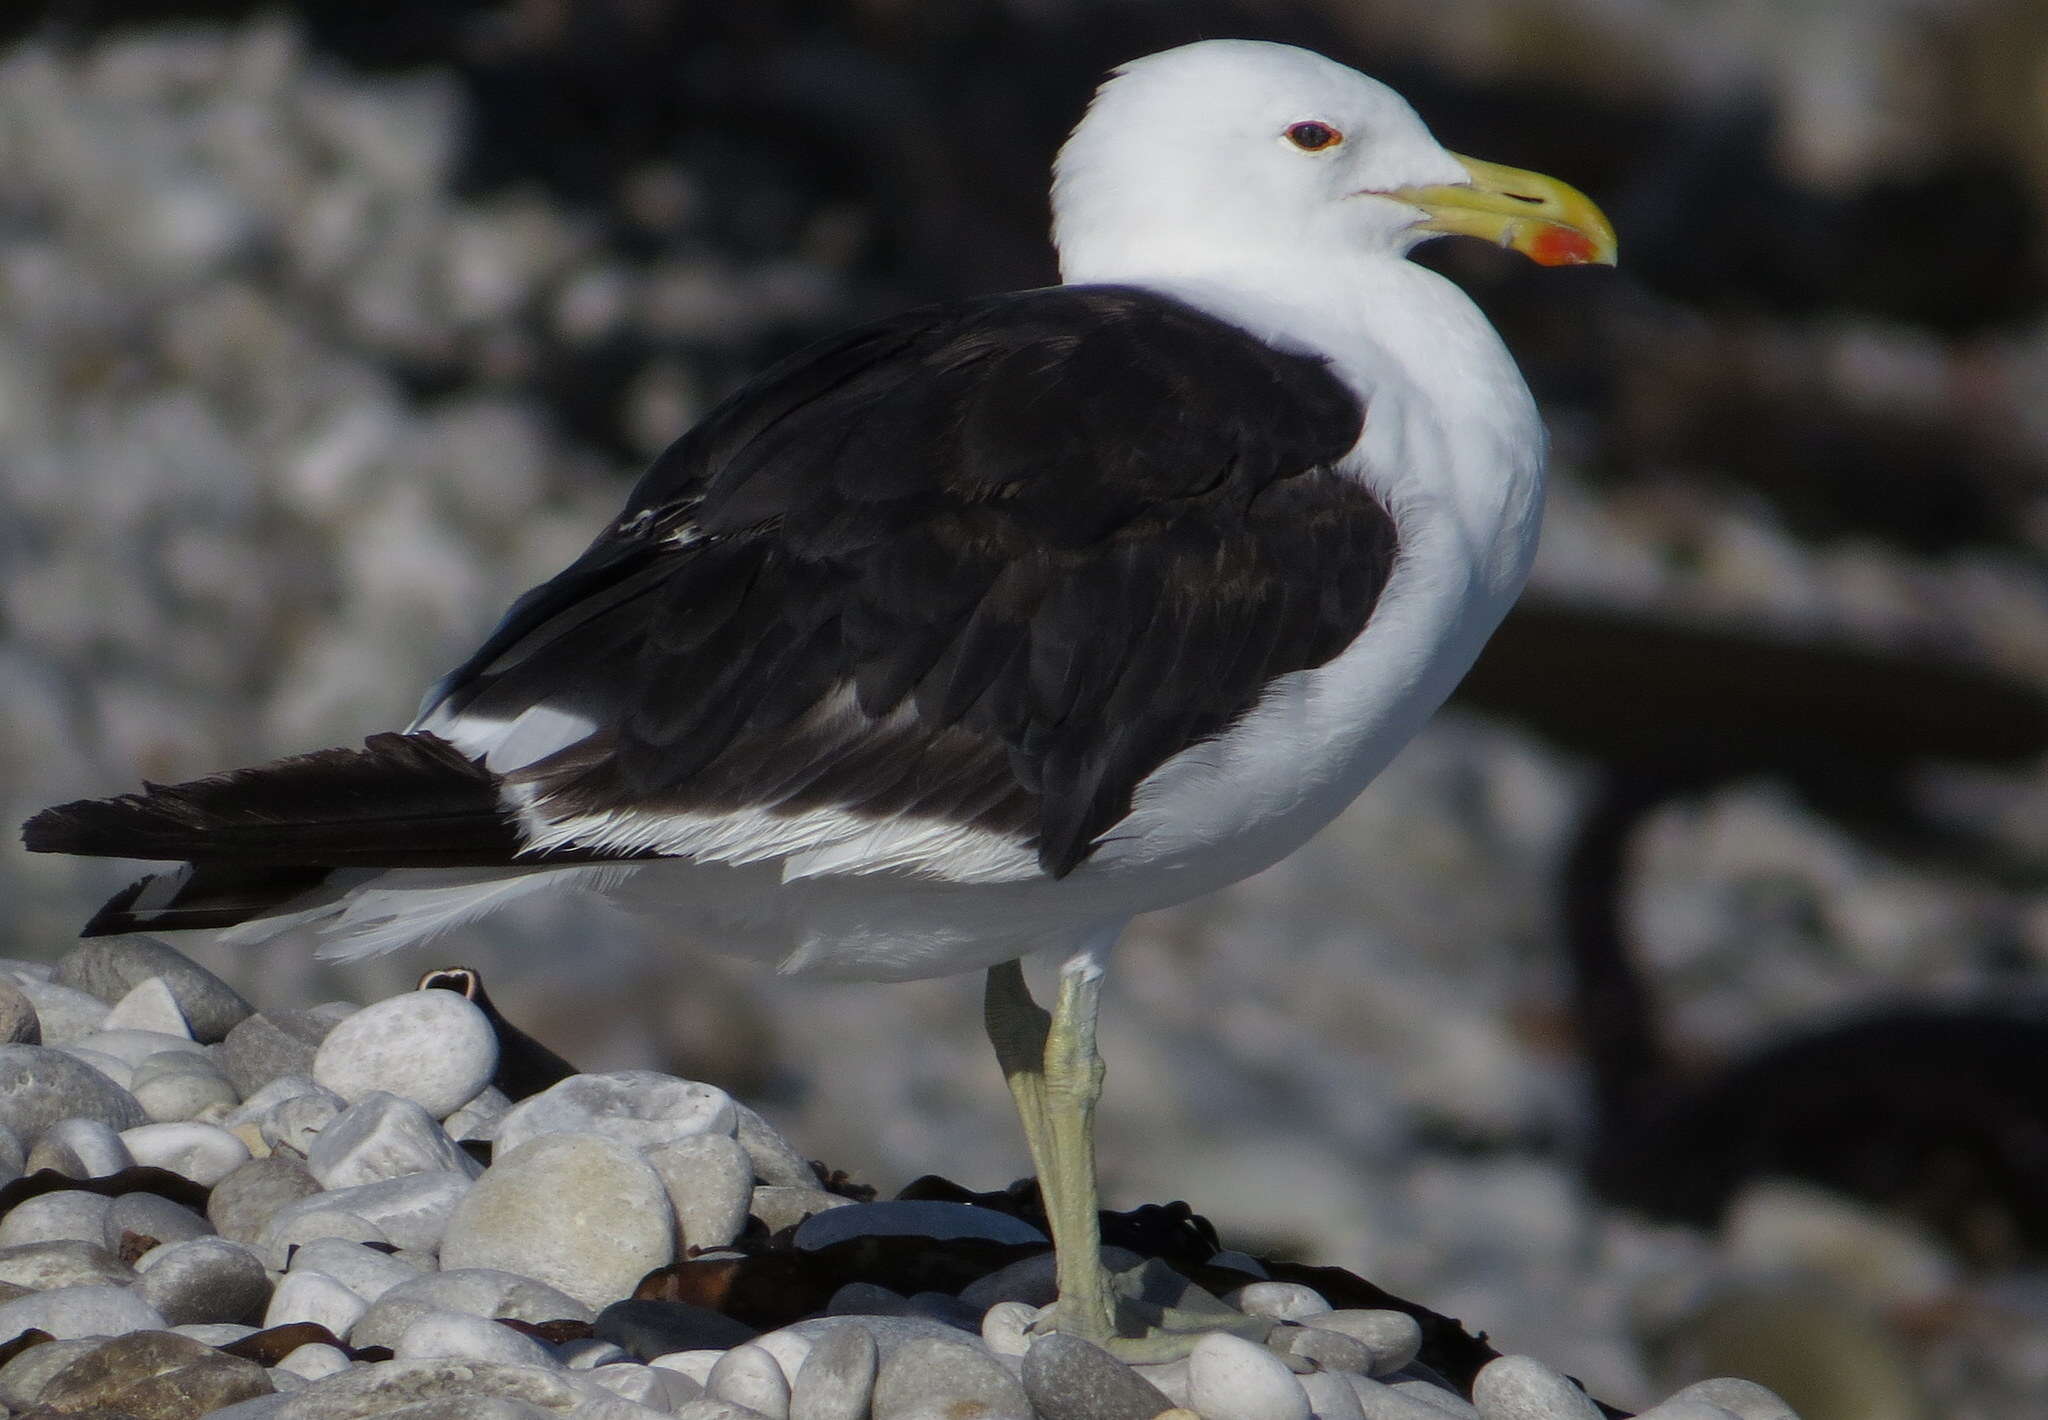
13	1155
1421	1395
1393	1338
216	1333
149	1005
1232	1379
40	1085
691	1365
153	1373
710	1183
70	1312
19	1024
432	1047
480	1292
656	1331
64	1263
270	1044
1282	1301
1034	1280
62	1013
655	1387
1331	1350
921	1219
50	1217
1006	1327
591	1354
1070	1379
385	1388
749	1376
314	1361
204	1153
1684	1408
438	1332
291	1227
242	1204
132	1047
639	1108
172	1086
866	1299
479	1118
110	967
1331	1395
274	1093
1741	1397
837	1378
368	1273
789	1349
297	1122
776	1161
411	1212
380	1136
519	1215
204	1280
780	1207
935	1379
1523	1388
153	1218
23	1378
305	1295
95	1149
117	1070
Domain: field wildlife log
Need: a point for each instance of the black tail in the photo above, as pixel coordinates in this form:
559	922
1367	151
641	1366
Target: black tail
257	840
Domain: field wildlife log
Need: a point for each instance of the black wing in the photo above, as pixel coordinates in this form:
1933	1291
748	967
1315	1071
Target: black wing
989	563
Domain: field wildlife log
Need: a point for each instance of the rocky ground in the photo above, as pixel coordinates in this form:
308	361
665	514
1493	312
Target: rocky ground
282	430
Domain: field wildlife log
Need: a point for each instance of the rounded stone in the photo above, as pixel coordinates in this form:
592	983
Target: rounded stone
40	1266
96	1150
363	1270
298	1122
776	1161
154	1373
1744	1398
780	1207
1069	1379
151	1219
473	1338
40	1085
749	1376
1330	1350
432	1047
476	1291
1006	1327
1281	1301
921	1218
409	1212
149	1006
837	1378
271	1044
315	1297
204	1153
18	1022
639	1108
1231	1379
172	1086
71	1312
710	1183
1331	1396
64	1014
1393	1338
934	1379
655	1387
391	1385
111	967
132	1047
242	1204
1523	1388
23	1378
582	1212
292	1227
381	1136
51	1217
315	1360
204	1280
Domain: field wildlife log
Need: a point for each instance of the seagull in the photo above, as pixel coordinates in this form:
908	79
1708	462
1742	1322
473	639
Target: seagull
976	631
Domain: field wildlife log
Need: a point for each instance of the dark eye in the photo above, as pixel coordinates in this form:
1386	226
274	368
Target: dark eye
1313	137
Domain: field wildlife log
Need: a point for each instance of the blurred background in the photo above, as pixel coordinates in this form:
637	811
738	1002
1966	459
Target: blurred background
1674	1006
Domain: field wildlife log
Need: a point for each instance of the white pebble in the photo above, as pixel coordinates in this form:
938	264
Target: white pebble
172	1086
1523	1388
1406	1400
296	1224
268	1096
710	1182
149	1006
316	1297
69	1313
1231	1379
363	1270
1006	1327
381	1136
694	1364
1684	1408
750	1376
1394	1338
591	1354
204	1153
296	1122
1280	1301
479	1118
435	1333
433	1047
98	1149
639	1108
315	1360
132	1047
1330	1396
1740	1397
69	1214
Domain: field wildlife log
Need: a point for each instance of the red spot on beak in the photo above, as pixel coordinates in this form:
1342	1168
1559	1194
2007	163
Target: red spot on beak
1559	246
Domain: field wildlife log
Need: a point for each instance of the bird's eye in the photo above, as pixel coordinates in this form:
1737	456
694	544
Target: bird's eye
1312	137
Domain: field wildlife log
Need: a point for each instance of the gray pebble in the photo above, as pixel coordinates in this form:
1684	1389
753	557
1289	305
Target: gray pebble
65	1014
381	1136
866	1299
923	1219
891	1333
39	1086
305	1295
1231	1379
479	1118
111	967
476	1291
70	1312
271	1044
1069	1379
149	1005
710	1184
1034	1280
18	1022
1523	1388
242	1204
1282	1301
779	1207
943	1306
132	1047
314	1361
95	1148
13	1155
1407	1388
591	1354
1169	1378
1744	1398
216	1333
1006	1327
837	1378
433	1047
263	1407
639	1108
776	1160
295	1123
49	1217
117	1070
204	1280
710	1407
312	1220
274	1093
363	1270
1686	1408
40	1266
1394	1338
383	1388
749	1376
1331	1350
411	1212
204	1153
655	1387
934	1379
173	1085
23	1378
154	1373
150	1215
437	1332
1331	1396
582	1212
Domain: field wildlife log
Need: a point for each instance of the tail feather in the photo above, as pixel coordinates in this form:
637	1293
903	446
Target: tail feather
194	897
400	801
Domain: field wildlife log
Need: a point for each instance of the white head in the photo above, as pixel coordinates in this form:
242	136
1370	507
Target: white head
1228	151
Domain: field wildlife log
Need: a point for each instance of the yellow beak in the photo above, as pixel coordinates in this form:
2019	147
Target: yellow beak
1549	222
